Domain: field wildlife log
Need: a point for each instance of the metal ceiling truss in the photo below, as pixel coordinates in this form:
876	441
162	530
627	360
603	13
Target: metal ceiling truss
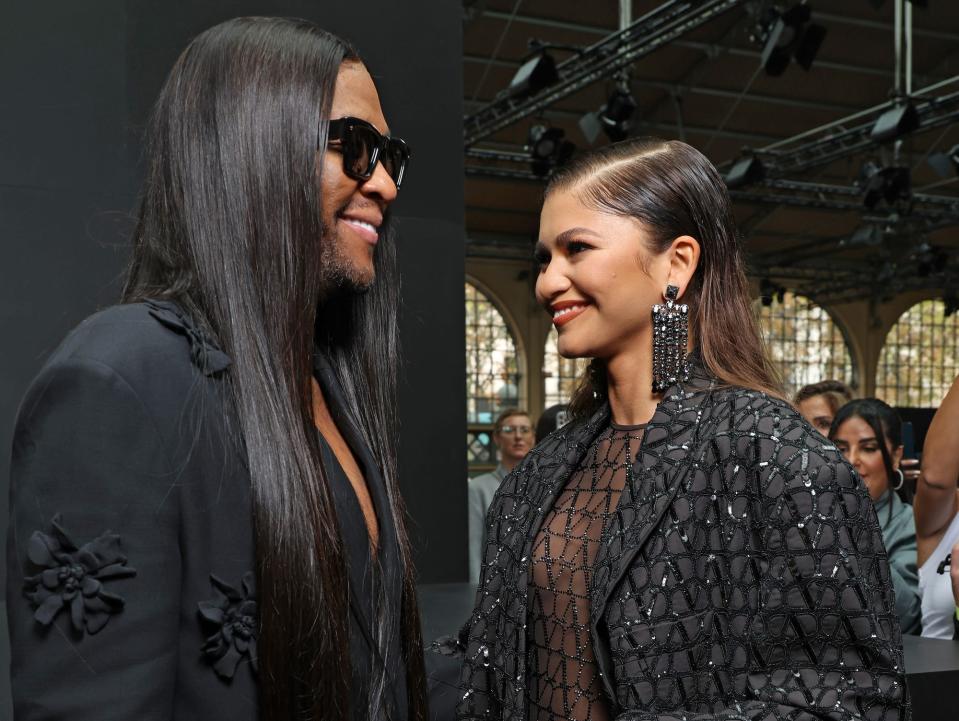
930	209
851	135
666	23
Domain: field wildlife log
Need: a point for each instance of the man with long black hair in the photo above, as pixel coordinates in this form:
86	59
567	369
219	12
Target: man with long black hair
205	518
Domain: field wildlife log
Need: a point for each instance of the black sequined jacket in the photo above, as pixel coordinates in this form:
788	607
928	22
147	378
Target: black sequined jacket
742	576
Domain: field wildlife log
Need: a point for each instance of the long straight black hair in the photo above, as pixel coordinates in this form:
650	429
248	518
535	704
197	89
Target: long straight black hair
230	228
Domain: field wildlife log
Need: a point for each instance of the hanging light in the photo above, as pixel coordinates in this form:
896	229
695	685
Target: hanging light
789	35
548	149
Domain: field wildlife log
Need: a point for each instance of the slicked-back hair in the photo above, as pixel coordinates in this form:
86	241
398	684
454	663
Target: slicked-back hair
672	189
230	227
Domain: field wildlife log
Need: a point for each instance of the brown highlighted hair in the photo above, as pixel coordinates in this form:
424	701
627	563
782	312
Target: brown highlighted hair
672	189
506	413
836	393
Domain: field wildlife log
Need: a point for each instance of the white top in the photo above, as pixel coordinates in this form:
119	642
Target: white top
938	604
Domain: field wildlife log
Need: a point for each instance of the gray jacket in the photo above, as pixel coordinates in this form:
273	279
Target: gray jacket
482	488
899	536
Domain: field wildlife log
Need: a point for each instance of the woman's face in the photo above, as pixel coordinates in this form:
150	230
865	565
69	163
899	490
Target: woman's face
596	277
818	412
857	441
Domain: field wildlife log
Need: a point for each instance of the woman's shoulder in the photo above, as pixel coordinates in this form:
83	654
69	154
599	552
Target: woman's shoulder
782	437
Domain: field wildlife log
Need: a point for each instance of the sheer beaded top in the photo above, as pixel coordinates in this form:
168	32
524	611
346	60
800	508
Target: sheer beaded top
562	678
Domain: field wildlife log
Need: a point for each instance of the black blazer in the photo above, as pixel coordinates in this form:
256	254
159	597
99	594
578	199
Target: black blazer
131	587
743	575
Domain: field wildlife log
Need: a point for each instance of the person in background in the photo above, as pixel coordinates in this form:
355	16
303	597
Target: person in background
869	434
513	436
937	522
818	402
552	418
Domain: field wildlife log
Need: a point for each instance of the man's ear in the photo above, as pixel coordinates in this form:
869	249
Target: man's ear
683	261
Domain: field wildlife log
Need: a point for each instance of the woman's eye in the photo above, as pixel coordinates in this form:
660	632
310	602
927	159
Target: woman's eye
576	247
541	259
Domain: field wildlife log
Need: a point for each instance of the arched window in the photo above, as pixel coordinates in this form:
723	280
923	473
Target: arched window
920	358
805	343
560	375
493	377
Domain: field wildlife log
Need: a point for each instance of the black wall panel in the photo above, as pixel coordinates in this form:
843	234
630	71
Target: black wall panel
78	81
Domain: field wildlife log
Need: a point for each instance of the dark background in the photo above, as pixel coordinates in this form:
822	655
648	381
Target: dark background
78	80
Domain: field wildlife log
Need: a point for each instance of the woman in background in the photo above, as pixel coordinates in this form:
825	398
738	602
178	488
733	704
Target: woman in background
937	517
869	434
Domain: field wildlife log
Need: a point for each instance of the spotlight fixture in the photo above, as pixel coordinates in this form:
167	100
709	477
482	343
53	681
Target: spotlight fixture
548	149
930	259
789	35
892	184
869	234
945	164
615	118
746	171
536	73
895	123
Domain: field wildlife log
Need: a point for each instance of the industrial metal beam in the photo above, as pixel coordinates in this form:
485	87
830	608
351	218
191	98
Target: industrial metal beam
686	87
618	50
708	48
851	135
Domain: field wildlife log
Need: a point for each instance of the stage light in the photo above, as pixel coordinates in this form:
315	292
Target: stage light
930	259
895	123
615	117
789	35
891	184
746	171
945	164
548	149
535	74
869	234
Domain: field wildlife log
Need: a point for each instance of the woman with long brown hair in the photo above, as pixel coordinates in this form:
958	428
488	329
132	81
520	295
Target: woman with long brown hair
688	546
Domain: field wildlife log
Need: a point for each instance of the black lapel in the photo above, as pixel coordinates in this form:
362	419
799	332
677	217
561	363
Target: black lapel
388	549
361	451
681	423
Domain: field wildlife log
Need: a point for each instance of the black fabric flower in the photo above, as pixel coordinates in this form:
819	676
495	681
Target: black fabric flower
231	620
204	352
73	577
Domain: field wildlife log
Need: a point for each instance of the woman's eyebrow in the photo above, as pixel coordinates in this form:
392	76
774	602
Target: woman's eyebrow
568	235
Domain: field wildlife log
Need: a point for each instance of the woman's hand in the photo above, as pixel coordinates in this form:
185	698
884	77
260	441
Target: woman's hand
910	471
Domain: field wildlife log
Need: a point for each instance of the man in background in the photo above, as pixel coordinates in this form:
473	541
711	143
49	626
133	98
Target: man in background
513	436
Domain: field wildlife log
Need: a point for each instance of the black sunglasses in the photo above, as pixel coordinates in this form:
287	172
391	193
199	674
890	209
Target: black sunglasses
363	147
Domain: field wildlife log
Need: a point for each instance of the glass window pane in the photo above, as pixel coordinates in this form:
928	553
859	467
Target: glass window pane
919	359
805	343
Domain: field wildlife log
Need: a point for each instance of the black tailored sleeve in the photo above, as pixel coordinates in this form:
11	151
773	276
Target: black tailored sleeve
823	639
93	556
